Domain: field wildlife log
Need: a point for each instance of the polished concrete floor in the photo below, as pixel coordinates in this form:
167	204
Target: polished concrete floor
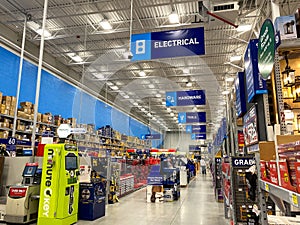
196	206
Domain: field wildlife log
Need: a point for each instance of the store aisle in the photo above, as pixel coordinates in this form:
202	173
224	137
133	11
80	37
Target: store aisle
196	206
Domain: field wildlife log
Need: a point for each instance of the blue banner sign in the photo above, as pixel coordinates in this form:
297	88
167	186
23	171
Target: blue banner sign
198	136
242	162
196	129
194	148
240	94
168	44
192	117
185	98
151	136
255	83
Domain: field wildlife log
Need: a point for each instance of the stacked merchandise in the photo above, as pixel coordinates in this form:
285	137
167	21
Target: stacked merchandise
126	184
216	171
92	197
226	171
171	179
114	183
244	194
289	163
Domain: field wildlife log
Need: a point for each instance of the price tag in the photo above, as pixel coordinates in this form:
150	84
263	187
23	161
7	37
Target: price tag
294	199
267	187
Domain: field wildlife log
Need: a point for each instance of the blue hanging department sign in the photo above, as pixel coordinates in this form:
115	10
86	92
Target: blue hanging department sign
196	128
198	136
168	44
194	148
151	136
185	98
192	117
240	94
255	83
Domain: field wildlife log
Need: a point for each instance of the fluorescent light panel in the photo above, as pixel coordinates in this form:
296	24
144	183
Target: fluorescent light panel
243	28
173	17
105	24
235	58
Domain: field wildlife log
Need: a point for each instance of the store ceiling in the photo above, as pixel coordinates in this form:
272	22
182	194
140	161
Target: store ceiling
104	68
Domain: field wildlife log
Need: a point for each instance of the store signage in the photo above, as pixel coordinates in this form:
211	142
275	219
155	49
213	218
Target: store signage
64	130
250	127
242	162
185	98
11	144
196	128
17	192
198	136
151	136
266	49
277	40
253	148
255	83
194	148
240	94
192	117
168	44
241	141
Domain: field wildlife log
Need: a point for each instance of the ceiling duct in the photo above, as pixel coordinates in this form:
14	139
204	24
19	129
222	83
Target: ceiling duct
219	13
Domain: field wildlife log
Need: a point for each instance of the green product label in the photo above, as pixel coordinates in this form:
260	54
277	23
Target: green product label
266	49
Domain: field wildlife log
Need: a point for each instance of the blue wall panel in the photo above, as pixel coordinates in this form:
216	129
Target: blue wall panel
8	72
61	98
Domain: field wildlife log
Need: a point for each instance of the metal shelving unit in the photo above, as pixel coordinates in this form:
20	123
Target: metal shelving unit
283	194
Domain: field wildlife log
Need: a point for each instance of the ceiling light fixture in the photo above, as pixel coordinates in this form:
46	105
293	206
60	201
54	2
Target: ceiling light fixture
189	84
126	96
173	17
168	109
142	74
114	88
226	92
105	24
135	103
244	28
158	95
47	33
151	86
235	58
229	79
37	28
172	114
76	58
143	109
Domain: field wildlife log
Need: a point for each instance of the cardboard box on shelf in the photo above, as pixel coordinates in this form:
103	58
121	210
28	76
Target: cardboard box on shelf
39	117
4	134
72	122
11	112
286	25
1	97
26	104
4	111
6	100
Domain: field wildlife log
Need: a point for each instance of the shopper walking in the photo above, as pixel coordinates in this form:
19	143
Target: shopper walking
203	166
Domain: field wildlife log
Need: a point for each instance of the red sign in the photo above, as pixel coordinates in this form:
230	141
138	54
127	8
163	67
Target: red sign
241	140
17	192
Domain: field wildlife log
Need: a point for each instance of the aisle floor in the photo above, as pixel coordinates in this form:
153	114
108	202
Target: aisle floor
196	206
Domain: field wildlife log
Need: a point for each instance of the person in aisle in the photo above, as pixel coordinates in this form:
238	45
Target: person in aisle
203	166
